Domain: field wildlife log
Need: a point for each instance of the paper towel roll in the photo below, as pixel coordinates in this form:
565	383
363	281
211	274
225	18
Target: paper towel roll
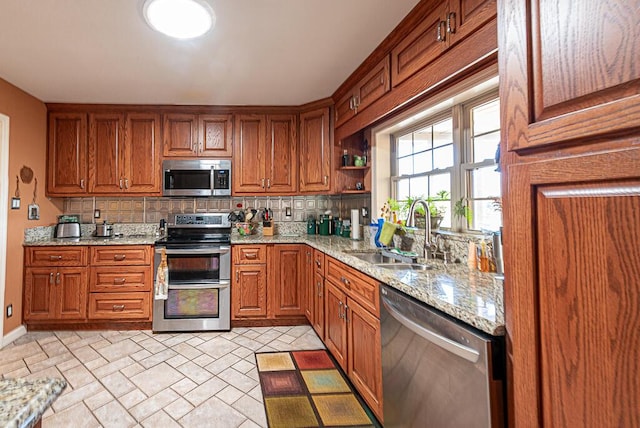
355	224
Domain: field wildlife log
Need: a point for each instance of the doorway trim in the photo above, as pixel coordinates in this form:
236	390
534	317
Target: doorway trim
4	206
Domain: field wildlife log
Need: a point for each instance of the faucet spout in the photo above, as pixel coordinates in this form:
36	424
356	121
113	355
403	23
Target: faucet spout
411	222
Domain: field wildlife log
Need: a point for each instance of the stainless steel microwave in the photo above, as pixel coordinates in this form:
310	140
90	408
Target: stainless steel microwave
197	177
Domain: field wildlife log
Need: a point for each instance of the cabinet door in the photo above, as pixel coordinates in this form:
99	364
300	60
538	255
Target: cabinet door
142	153
572	300
249	154
180	135
287	275
335	331
344	109
71	293
39	294
317	291
568	71
466	16
249	292
215	133
315	151
365	359
282	154
67	154
106	153
374	85
422	46
308	292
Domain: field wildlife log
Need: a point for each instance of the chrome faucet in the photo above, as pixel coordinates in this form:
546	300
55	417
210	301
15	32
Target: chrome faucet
411	222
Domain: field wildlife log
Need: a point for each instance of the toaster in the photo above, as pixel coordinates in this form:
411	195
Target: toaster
67	230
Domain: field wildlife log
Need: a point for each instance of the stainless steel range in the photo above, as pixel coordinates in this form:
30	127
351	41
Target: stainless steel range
199	258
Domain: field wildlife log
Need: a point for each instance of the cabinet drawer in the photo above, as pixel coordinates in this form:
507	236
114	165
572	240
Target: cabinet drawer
318	262
119	306
56	256
358	286
249	254
117	279
121	255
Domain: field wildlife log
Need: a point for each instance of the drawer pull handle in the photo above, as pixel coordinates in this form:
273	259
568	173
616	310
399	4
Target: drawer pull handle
318	263
345	314
57	277
118	308
119	280
55	257
340	315
51	278
251	256
451	18
119	257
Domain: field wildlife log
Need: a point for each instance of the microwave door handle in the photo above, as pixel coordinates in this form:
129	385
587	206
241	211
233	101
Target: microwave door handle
209	286
169	251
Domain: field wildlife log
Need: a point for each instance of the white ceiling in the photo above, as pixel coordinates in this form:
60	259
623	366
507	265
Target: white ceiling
261	52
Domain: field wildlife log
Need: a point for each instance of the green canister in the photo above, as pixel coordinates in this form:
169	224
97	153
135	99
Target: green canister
311	226
323	226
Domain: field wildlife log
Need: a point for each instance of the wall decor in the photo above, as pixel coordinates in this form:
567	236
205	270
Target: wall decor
15	201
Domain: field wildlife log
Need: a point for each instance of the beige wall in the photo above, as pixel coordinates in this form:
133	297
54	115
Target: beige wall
27	146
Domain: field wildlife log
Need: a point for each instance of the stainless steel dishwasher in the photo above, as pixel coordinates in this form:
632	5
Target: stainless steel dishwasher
435	371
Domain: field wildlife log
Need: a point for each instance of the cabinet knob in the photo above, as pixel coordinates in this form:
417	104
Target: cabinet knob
440	34
451	22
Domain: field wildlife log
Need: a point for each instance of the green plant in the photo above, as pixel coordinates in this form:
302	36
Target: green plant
461	209
435	210
393	205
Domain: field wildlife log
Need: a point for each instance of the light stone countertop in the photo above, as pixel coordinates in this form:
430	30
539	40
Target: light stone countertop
23	402
472	297
91	240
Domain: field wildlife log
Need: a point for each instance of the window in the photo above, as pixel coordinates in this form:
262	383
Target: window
452	153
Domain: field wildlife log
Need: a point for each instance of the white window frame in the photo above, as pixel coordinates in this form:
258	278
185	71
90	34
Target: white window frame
462	153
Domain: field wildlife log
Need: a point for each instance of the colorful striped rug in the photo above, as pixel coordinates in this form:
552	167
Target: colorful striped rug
308	389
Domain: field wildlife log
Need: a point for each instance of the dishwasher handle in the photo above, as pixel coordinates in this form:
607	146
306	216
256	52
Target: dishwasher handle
454	347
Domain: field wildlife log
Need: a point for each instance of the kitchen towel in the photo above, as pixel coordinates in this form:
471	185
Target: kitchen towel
161	289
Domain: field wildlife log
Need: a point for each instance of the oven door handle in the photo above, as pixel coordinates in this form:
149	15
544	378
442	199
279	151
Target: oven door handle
221	284
170	251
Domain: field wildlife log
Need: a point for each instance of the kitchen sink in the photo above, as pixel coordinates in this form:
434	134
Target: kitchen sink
375	258
404	266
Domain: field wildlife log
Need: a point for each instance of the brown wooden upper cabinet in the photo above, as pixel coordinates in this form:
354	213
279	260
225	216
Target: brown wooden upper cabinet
124	153
374	85
67	154
443	26
315	151
572	70
198	135
265	154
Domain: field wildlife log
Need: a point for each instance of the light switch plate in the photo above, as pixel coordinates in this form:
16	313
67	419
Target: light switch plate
287	211
15	203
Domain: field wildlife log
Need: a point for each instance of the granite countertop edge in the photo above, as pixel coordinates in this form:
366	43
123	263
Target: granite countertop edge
23	401
419	285
92	240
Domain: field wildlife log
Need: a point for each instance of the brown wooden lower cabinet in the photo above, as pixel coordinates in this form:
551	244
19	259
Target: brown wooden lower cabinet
267	283
77	285
352	331
55	293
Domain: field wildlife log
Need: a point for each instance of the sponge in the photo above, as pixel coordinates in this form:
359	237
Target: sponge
386	235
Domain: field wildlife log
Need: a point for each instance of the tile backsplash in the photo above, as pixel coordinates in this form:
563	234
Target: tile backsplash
152	209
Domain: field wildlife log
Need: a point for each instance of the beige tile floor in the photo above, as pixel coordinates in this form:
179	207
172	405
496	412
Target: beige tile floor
137	378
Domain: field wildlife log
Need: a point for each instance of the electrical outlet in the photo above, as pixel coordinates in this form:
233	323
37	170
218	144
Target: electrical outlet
96	214
9	311
287	211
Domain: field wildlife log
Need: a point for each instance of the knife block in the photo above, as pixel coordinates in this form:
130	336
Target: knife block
267	228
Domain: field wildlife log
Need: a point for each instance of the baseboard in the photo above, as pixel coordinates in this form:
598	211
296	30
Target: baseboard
13	335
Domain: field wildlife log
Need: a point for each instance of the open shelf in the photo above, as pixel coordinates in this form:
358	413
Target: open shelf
355	168
354	192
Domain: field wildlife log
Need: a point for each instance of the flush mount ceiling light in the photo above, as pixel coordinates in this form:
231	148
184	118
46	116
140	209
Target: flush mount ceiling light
181	19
